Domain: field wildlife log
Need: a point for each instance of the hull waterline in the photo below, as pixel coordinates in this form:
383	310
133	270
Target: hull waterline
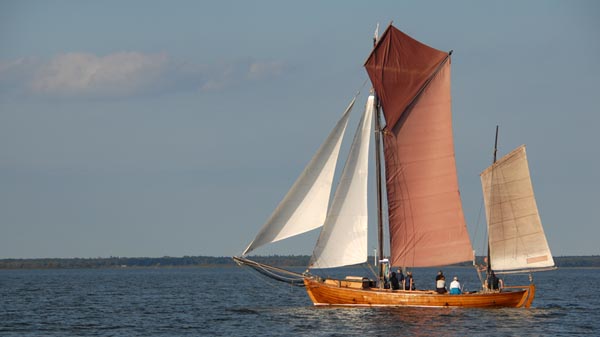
341	293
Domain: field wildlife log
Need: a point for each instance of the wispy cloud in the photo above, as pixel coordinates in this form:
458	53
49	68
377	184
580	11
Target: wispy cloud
124	74
236	73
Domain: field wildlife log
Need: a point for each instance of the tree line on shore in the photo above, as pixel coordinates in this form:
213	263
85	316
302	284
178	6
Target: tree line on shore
208	261
145	262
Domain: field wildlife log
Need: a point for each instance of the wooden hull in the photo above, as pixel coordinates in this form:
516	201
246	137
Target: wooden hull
341	293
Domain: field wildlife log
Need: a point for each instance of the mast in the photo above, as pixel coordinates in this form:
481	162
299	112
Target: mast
378	171
379	190
496	145
489	264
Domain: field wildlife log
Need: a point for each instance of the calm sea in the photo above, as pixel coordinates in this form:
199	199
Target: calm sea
238	302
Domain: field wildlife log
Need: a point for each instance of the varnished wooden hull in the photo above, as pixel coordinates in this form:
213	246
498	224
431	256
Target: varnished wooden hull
339	293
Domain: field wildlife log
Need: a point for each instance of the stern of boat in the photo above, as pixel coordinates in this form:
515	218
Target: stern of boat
527	297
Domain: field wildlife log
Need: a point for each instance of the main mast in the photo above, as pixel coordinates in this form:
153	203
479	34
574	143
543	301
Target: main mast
378	174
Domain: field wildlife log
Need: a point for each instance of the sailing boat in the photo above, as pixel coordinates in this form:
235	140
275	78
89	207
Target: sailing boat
410	111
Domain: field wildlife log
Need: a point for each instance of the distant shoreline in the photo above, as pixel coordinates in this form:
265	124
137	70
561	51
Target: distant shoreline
591	261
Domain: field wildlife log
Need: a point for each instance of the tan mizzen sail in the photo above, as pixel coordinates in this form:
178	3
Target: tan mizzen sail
516	236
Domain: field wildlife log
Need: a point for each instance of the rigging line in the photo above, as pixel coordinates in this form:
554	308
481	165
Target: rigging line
276	277
298	281
362	86
261	279
370	268
261	265
268	271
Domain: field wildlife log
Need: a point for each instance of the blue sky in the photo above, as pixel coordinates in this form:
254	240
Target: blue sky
153	128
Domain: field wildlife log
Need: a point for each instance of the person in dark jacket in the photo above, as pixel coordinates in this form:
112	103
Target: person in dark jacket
409	283
394	281
400	276
493	282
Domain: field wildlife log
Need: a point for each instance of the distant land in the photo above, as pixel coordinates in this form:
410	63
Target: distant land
592	261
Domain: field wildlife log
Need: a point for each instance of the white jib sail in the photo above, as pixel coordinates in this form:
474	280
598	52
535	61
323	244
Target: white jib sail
343	238
304	207
516	236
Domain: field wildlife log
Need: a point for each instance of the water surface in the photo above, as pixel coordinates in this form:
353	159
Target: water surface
238	302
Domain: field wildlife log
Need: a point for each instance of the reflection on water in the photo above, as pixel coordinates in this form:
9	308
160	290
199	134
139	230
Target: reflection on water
420	321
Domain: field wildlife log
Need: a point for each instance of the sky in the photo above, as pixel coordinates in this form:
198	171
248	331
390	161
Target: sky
173	128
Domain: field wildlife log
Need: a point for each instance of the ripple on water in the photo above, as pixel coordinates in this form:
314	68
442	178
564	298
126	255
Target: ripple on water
193	302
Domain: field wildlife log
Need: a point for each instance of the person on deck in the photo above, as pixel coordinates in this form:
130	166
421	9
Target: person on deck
409	283
493	282
455	288
400	276
394	281
386	273
440	283
484	265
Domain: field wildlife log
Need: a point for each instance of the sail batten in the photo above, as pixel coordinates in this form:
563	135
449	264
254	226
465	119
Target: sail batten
304	207
516	236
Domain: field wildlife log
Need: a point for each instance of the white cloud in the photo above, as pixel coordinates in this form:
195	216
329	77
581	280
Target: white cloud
125	73
265	69
115	74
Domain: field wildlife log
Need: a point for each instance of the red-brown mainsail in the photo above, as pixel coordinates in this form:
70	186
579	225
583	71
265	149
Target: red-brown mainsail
412	80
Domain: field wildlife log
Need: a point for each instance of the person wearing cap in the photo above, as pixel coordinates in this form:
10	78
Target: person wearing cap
455	288
440	283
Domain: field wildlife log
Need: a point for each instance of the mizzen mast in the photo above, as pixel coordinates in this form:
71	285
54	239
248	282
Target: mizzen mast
489	259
